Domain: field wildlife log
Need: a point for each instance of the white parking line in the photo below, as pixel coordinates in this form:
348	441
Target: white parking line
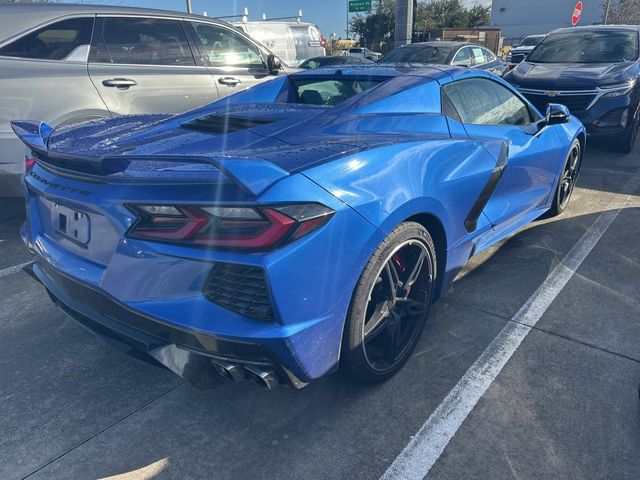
16	268
422	452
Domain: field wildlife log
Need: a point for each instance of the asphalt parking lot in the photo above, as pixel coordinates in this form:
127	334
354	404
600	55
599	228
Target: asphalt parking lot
564	405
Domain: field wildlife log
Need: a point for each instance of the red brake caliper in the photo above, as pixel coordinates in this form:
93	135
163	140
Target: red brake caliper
400	266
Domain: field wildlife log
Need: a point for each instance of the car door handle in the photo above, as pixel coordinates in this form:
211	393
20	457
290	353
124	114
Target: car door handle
120	83
231	81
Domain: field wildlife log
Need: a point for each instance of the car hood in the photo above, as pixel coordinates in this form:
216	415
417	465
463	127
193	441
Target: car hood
581	76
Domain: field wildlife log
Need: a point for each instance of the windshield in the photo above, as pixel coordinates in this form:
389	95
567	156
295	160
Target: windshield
421	54
330	91
587	47
530	41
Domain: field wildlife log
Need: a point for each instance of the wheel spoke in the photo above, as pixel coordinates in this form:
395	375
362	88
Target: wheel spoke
375	323
394	278
415	274
412	307
392	332
575	155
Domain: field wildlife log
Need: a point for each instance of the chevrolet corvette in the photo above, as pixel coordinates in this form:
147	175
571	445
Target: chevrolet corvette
299	226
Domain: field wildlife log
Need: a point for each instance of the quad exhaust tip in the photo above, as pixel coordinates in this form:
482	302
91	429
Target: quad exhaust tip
230	371
264	377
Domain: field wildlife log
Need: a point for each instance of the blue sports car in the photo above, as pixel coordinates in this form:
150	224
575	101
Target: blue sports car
305	223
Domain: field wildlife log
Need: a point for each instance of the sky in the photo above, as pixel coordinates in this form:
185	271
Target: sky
330	15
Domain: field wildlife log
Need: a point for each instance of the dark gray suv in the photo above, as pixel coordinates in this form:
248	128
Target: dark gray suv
70	63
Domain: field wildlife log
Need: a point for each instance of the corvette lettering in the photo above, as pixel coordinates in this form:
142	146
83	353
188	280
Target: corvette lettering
58	186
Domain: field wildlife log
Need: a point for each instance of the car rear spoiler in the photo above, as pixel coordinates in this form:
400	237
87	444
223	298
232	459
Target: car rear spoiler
252	175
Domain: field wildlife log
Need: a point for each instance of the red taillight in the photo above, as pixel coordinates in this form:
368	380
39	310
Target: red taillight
29	161
256	228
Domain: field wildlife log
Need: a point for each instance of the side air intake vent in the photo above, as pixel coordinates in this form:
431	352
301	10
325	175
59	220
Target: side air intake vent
225	123
239	288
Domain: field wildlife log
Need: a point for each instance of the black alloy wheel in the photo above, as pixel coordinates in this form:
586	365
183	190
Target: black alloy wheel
391	303
568	180
569	176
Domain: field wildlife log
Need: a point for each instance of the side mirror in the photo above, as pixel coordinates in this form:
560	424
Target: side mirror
557	114
274	65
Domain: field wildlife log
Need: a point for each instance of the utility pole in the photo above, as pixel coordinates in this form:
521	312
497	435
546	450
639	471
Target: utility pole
404	22
606	12
188	6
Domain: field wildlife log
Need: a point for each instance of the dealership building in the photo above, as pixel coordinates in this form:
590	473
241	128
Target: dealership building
519	18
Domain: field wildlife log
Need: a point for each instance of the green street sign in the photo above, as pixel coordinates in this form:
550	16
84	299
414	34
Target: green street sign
359	6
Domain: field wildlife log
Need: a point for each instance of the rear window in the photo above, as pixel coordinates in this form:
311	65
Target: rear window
419	54
587	47
53	42
329	91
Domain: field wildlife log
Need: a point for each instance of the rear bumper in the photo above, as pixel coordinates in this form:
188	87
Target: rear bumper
193	355
159	289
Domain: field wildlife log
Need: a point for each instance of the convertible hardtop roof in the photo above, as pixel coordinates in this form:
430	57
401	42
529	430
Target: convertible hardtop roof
17	18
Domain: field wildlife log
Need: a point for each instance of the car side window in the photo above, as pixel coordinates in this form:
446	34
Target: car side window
223	47
481	101
477	56
140	41
53	42
462	58
488	56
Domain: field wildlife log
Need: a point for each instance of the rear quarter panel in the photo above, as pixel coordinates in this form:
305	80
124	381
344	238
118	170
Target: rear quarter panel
387	185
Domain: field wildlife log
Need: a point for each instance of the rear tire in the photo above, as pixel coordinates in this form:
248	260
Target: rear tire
567	181
390	305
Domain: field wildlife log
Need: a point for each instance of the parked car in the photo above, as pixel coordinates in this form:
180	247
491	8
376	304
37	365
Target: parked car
317	62
304	223
594	71
292	42
361	52
461	54
526	46
72	63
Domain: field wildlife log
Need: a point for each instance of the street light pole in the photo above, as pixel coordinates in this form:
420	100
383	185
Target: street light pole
606	12
188	6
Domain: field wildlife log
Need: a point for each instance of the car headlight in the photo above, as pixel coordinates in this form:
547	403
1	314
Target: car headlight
618	90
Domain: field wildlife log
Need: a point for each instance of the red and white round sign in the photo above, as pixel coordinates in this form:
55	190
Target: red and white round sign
577	13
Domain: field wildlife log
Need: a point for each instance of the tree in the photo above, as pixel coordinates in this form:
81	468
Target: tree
447	13
478	16
623	12
377	27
